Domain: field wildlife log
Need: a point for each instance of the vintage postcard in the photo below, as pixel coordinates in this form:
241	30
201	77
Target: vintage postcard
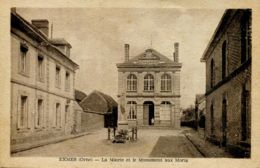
142	83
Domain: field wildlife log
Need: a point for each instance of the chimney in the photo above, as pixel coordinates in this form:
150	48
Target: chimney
13	10
42	25
126	52
176	52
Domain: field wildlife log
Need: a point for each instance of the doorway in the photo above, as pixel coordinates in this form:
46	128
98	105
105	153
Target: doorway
148	113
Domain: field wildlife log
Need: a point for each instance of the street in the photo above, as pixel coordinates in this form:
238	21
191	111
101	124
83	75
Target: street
150	143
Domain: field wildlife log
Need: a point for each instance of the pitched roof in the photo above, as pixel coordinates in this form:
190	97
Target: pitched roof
79	95
32	31
98	102
220	29
150	57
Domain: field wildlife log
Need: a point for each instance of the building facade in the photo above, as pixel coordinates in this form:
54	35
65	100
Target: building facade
228	82
42	83
149	89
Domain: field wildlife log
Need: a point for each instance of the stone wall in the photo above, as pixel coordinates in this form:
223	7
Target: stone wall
90	121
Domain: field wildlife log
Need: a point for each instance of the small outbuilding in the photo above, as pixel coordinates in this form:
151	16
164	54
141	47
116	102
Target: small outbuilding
99	111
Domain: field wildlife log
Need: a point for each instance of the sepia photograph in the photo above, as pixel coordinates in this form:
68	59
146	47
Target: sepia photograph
127	82
111	84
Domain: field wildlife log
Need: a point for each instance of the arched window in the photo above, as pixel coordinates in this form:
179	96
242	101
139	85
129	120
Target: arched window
166	82
224	58
212	119
132	108
245	29
212	73
131	82
165	111
245	110
148	82
224	121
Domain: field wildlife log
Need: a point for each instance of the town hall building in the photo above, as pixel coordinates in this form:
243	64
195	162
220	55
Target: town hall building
149	89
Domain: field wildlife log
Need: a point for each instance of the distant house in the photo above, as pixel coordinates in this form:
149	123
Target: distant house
97	107
228	82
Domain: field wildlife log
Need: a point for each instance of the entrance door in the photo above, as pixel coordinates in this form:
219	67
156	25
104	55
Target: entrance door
148	113
224	122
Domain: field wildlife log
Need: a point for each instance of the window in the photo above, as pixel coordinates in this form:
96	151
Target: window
67	110
57	77
23	112
131	82
67	81
224	58
39	113
132	108
166	82
57	116
165	110
245	36
212	119
40	68
148	82
244	112
224	121
212	73
23	58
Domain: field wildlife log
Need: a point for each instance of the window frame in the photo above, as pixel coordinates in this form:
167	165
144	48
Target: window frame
57	116
212	73
67	81
166	83
212	119
131	84
224	59
245	110
20	125
67	112
58	76
148	83
132	110
245	29
40	115
40	68
163	106
24	60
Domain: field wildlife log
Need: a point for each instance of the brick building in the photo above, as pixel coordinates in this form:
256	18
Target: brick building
149	89
42	83
228	82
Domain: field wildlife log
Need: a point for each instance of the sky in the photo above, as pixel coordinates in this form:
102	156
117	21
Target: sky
98	35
